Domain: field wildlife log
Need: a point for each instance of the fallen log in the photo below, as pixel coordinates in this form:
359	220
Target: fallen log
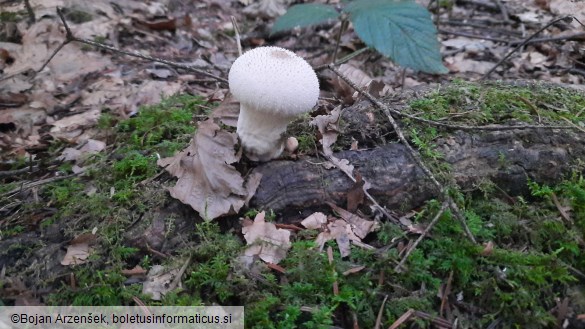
507	158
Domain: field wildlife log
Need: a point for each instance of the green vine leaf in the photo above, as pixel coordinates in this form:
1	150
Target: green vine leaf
401	30
304	15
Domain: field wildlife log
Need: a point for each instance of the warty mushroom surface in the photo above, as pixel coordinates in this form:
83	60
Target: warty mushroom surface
273	86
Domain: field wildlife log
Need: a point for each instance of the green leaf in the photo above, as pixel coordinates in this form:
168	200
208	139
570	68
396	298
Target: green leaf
401	30
304	15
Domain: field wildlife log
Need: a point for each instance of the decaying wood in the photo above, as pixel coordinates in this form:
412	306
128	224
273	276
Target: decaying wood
507	158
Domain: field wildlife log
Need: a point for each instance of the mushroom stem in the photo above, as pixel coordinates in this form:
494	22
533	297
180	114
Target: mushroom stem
261	133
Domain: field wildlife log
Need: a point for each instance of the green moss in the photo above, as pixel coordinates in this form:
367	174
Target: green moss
108	196
77	16
6	16
164	128
498	103
516	282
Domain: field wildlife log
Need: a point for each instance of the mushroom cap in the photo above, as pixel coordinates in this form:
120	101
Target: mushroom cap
274	80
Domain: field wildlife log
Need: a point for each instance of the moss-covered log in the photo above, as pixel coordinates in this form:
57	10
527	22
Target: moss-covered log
506	158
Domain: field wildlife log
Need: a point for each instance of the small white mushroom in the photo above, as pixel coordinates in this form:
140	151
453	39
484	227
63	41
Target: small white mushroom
291	145
274	86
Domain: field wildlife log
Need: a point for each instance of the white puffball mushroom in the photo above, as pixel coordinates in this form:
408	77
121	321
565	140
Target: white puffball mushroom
291	145
273	86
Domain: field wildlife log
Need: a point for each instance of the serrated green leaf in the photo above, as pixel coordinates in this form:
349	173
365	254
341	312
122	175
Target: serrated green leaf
304	15
401	30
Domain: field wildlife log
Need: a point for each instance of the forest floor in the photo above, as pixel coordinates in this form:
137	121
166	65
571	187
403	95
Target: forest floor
86	217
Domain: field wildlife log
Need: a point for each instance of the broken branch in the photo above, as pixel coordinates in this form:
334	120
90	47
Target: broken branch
70	37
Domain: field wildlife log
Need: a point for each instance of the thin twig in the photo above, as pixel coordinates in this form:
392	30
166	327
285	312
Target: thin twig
330	258
175	283
444	207
413	153
344	23
485	76
445	293
38	183
156	252
575	271
403	318
30	11
366	193
574	125
378	324
70	37
237	32
53	55
8	173
473	36
483	27
343	59
503	10
572	36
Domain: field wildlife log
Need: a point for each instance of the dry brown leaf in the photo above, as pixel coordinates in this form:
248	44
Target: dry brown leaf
39	41
530	17
76	254
137	270
152	92
71	62
360	78
468	45
78	121
356	194
327	126
78	249
16	84
353	270
159	282
568	7
23	119
206	179
267	8
228	111
339	231
276	267
315	221
266	241
91	146
379	89
459	63
359	226
252	182
102	91
543	4
488	248
10	99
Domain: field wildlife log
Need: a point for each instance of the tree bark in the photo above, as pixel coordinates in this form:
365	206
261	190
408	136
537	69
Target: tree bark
507	158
